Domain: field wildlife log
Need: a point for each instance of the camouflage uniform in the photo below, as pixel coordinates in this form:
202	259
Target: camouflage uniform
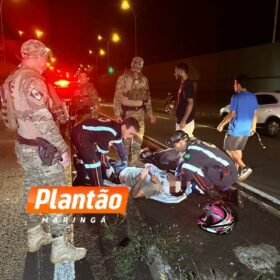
132	99
57	107
84	97
31	105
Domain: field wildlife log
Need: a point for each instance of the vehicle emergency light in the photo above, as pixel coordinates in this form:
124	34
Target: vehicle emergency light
62	83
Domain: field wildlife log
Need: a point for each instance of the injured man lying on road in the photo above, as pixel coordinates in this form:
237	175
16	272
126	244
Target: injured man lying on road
147	182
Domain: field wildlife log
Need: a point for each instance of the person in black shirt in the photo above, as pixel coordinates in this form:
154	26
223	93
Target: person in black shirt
185	100
92	139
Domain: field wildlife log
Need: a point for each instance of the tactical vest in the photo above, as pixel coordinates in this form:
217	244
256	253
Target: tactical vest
136	87
15	109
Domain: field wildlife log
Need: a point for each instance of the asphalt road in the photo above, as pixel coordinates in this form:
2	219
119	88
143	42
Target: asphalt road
264	162
251	251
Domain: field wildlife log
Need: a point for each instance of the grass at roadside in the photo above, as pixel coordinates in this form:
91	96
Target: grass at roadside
164	239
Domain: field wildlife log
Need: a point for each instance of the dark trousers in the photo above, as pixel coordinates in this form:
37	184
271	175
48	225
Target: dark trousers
215	192
92	160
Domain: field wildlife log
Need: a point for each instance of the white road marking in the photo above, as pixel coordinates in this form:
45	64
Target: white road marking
206	126
65	271
260	193
107	105
164	118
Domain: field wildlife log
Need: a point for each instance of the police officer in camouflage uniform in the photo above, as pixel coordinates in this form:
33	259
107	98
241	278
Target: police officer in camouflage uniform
85	96
29	93
132	99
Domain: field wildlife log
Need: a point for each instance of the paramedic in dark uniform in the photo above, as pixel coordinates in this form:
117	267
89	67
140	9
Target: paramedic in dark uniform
206	166
92	139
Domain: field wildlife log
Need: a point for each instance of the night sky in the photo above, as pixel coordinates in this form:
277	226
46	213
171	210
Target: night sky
167	30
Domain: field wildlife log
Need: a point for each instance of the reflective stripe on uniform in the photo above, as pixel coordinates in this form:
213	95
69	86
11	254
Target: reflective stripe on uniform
100	128
193	169
209	154
118	141
92	165
101	151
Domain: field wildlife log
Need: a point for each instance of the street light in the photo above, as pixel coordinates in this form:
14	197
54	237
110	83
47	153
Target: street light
20	33
39	33
115	39
126	6
102	52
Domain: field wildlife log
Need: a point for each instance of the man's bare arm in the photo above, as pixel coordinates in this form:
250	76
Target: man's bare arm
137	192
254	124
226	120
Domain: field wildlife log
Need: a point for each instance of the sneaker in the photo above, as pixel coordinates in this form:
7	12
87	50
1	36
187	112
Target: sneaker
244	173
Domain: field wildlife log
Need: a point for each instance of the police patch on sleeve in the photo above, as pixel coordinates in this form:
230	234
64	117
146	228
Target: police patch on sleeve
36	94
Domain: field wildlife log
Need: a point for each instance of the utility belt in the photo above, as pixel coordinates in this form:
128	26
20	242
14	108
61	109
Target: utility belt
46	151
133	108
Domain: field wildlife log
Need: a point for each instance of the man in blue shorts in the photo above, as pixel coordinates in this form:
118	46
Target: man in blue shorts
242	119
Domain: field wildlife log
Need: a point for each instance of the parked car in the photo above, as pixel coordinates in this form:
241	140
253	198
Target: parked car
268	113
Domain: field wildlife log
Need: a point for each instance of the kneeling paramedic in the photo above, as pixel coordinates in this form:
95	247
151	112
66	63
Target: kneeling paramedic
92	139
206	166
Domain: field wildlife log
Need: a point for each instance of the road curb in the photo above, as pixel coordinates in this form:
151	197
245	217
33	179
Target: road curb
260	202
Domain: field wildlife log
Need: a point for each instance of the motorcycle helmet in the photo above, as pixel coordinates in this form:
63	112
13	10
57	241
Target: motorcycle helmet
218	218
177	136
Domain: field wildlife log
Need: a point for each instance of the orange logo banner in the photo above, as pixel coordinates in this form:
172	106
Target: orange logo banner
68	200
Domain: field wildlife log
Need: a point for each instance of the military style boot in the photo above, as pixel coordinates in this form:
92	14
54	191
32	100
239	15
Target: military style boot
62	251
36	237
